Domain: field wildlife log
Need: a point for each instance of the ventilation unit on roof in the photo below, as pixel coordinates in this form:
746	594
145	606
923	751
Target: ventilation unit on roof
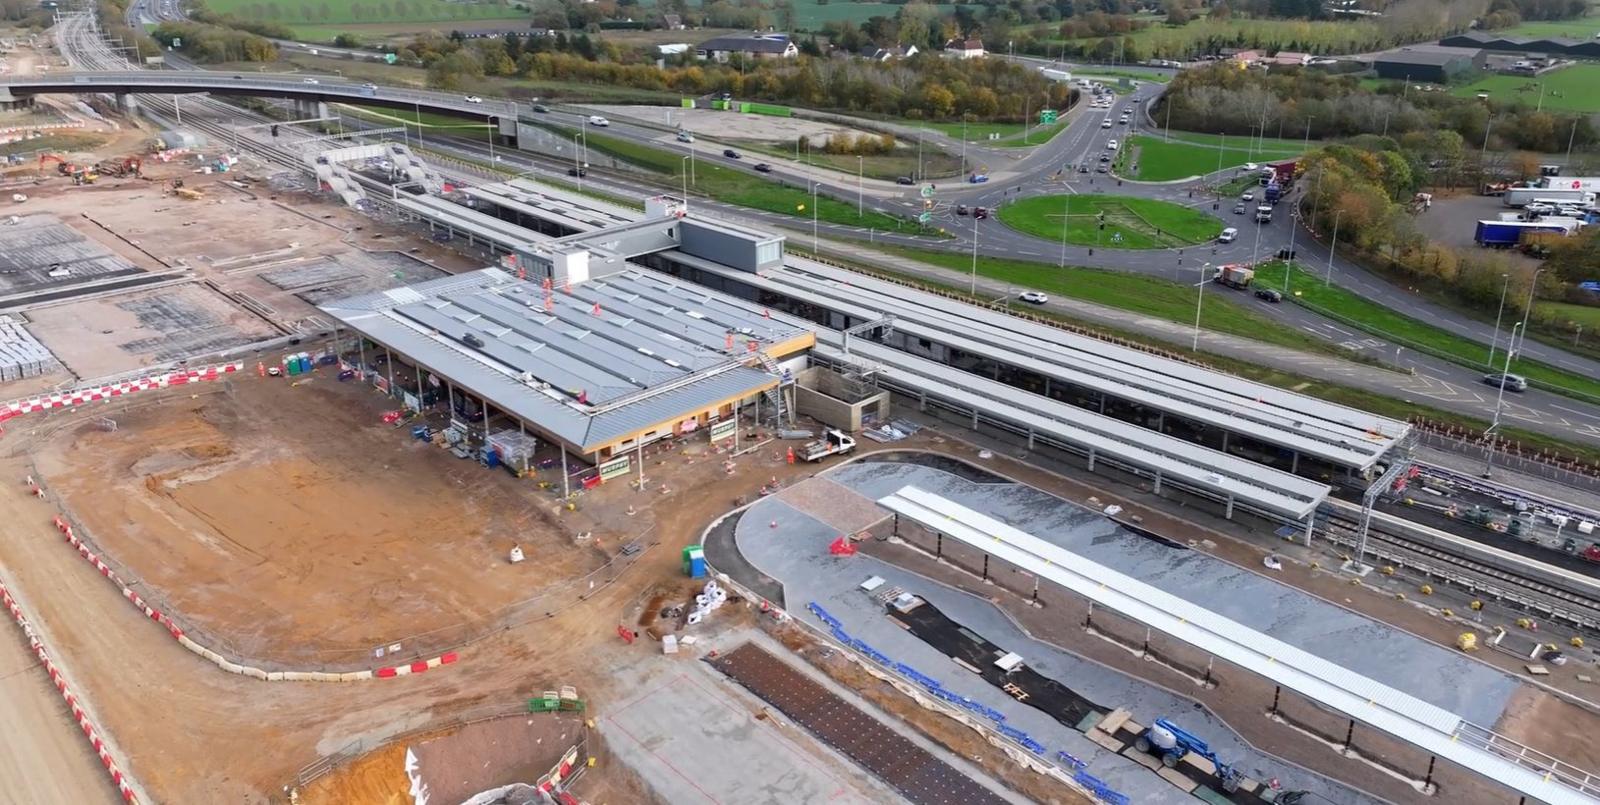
527	377
1214	478
745	331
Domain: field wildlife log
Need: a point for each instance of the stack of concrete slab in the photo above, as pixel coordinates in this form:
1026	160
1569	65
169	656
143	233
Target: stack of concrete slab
21	355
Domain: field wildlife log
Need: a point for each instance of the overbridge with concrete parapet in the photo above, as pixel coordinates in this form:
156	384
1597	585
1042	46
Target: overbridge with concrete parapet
311	94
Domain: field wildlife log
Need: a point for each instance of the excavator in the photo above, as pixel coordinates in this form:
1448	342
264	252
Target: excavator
79	173
127	166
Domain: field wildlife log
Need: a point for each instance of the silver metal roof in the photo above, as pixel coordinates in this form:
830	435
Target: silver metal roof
639	349
1399	714
1249	483
1336	433
486	227
543	202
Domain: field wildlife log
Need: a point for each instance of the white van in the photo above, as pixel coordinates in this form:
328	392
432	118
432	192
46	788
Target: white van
596	120
1228	235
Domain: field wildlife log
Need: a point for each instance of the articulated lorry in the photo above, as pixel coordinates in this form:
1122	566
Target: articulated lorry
1523	196
1509	234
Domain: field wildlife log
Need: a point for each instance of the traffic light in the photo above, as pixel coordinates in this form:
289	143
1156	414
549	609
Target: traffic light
274	129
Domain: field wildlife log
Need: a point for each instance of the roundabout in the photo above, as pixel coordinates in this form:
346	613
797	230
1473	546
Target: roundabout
1114	222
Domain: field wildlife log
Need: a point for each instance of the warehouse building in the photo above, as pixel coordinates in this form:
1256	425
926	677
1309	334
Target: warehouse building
1430	64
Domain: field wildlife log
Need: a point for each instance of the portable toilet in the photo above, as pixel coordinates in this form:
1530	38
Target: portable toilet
291	365
305	362
694	562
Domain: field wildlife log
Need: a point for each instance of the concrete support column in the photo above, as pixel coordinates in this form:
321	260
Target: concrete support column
1047	386
1161	419
639	457
974	419
388	364
1294	461
1030	438
1227	512
566	490
361	350
922	402
1224	441
1091	459
127	104
1157	488
1311	522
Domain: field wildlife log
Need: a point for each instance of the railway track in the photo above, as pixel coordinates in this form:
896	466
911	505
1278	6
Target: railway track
1476	576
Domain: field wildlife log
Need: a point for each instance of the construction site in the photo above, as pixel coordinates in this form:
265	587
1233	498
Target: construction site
460	485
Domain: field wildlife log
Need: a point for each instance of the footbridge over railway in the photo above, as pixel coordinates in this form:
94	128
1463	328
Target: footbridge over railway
311	92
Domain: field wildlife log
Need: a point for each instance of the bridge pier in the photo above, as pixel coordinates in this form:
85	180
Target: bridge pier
126	103
305	109
9	101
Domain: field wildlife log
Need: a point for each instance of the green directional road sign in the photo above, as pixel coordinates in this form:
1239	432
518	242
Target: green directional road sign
390	58
924	217
927	191
1047	116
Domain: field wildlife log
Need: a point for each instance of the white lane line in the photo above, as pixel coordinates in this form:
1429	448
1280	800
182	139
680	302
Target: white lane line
1574	411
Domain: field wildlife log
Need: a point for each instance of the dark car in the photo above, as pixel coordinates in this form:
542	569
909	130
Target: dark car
1105	157
1286	253
980	212
579	172
904	180
961	209
1268	295
541	108
762	167
727	96
730	153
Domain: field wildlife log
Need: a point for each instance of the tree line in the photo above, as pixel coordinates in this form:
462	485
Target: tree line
924	87
1364	188
212	44
1225	99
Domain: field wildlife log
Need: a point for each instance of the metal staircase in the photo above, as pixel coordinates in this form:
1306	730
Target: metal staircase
774	396
335	177
415	169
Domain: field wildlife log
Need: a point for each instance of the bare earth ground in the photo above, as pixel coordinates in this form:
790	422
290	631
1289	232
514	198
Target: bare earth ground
291	522
192	733
54	766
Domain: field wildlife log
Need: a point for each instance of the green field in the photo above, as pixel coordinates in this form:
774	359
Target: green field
809	16
1010	133
1197	154
737	187
936	164
1586	315
1130	223
1162	41
1581	28
1110	76
1570	89
334	12
1306	288
1138	293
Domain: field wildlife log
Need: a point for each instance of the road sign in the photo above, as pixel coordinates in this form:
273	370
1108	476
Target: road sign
390	58
1047	116
927	191
924	217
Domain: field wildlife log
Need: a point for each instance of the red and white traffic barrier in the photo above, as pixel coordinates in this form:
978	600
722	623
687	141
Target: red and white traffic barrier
122	780
109	391
420	666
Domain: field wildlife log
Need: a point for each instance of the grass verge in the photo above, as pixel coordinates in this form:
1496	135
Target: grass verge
1136	293
1161	161
1129	223
1306	288
736	187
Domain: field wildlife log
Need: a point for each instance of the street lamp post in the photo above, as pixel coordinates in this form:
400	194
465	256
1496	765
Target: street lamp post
683	170
973	289
1570	137
1200	298
578	164
814	216
1333	246
1505	285
860	168
1499	400
1066	216
1526	311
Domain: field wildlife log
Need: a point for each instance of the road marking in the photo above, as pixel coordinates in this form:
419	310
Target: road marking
1574	411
